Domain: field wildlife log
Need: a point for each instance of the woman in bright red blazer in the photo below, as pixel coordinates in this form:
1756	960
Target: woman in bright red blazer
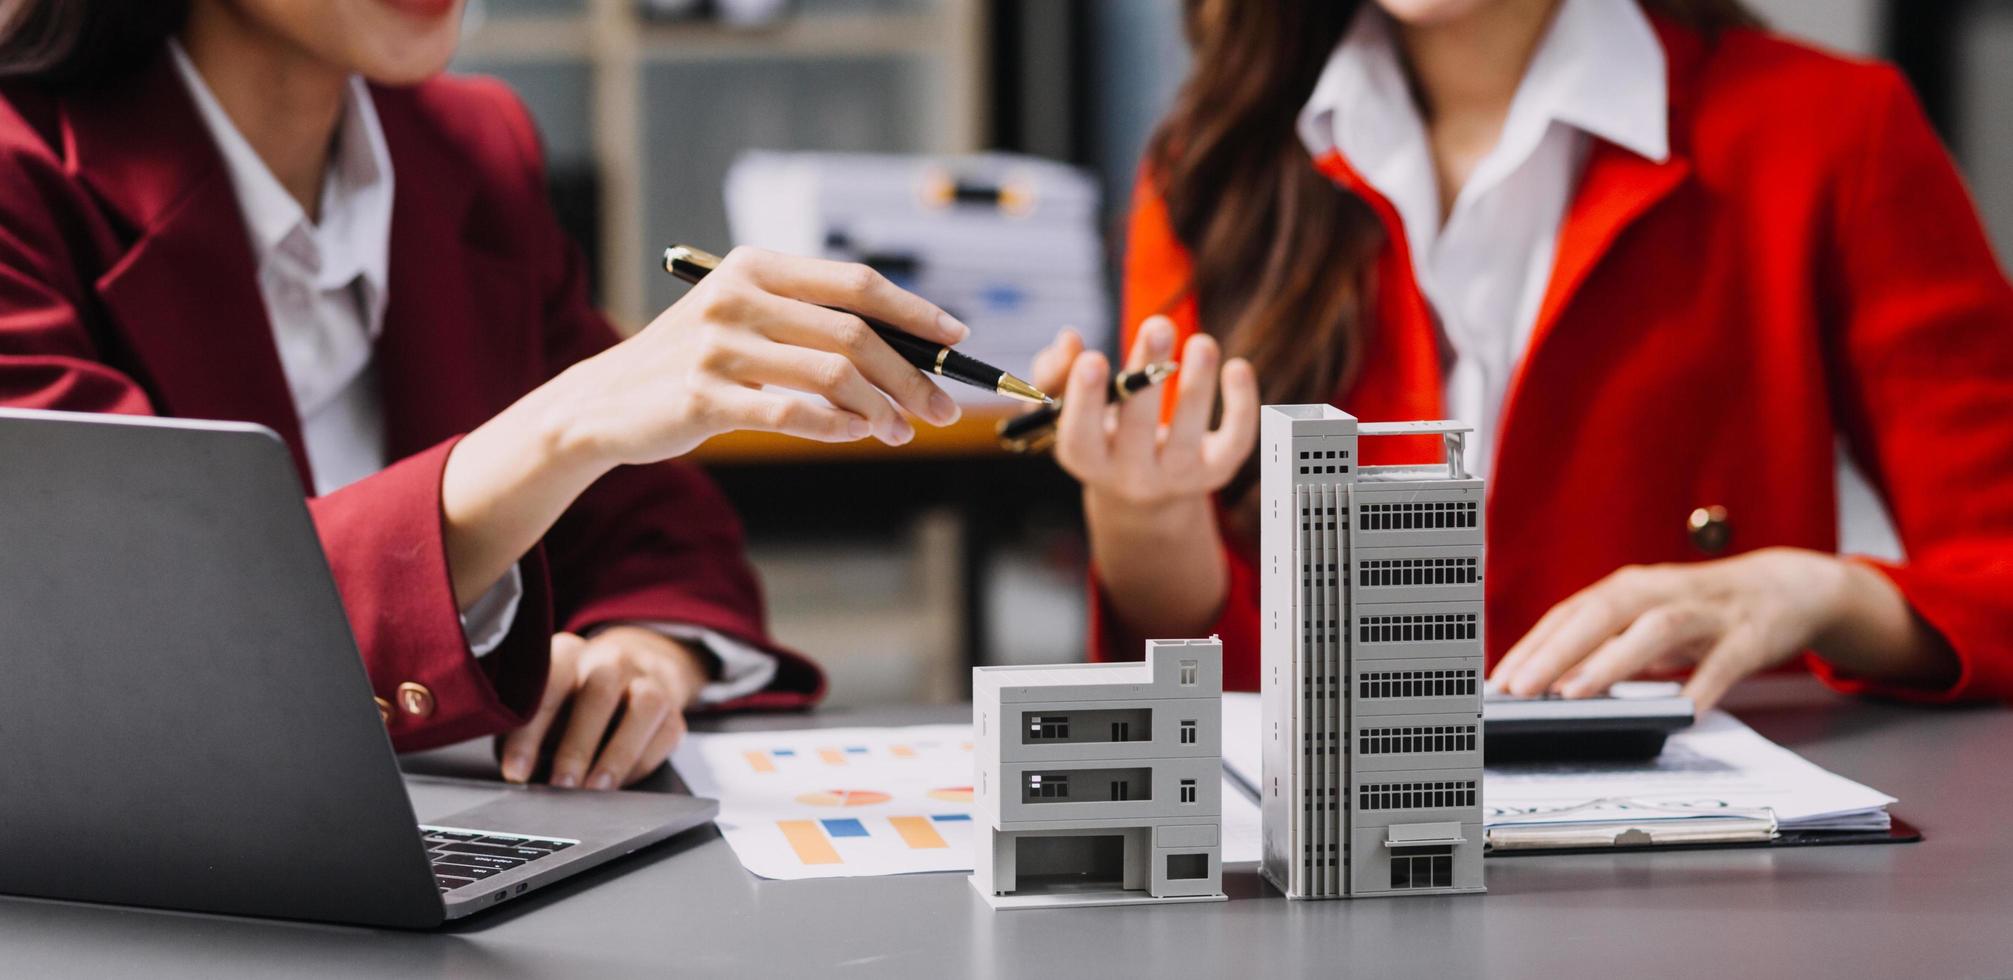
279	212
1782	261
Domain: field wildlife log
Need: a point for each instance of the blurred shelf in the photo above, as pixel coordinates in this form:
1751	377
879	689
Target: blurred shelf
971	436
619	46
834	36
529	38
861	35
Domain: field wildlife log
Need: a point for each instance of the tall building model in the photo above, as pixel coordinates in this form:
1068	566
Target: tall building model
1099	784
1371	586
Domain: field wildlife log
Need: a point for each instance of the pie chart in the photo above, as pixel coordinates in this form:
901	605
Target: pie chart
843	797
952	794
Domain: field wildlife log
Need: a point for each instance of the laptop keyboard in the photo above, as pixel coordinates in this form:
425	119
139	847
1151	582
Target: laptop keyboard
463	857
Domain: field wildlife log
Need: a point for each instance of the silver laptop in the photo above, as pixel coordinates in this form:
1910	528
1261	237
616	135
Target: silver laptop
185	722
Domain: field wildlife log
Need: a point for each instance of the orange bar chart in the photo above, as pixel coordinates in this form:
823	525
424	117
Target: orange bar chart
808	841
832	757
760	762
917	832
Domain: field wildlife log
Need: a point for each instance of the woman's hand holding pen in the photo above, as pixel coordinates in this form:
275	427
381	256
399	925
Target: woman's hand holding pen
1124	453
697	371
1147	486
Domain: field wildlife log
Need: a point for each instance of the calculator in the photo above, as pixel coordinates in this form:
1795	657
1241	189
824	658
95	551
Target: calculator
1630	722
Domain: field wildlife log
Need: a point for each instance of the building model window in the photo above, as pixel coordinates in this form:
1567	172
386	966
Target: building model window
1048	726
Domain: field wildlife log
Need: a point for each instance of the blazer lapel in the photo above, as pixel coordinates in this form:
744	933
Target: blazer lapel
1617	188
185	296
448	358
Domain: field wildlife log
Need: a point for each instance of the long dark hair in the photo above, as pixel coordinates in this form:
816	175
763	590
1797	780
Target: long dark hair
80	42
1282	256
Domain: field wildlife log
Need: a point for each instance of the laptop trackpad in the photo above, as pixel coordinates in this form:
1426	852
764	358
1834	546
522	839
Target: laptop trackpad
434	798
544	811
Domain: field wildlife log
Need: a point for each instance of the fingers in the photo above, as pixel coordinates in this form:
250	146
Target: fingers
1195	394
598	694
1658	635
1080	443
1590	624
1533	639
848	286
849	336
1050	370
1604	611
732	407
668	735
832	376
1571	631
520	748
1135	436
1225	449
1737	654
645	706
1153	342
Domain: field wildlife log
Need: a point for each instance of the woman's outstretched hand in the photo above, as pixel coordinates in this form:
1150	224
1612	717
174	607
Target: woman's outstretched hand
752	346
1124	453
700	368
1147	486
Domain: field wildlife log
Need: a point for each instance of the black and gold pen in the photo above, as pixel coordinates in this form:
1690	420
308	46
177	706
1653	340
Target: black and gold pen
1035	431
692	264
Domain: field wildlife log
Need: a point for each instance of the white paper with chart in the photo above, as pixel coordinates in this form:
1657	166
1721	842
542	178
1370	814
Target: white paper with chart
1717	766
849	802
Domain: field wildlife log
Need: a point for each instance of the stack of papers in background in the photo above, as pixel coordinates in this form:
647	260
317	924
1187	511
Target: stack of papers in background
1717	770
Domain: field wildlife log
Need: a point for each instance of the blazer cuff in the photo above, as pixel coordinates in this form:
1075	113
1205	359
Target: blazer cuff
487	622
1972	608
386	546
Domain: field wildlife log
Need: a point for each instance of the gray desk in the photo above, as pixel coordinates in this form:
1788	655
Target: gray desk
1941	908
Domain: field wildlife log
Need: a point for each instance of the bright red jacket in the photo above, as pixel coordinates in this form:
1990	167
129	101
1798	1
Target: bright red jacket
127	285
1806	267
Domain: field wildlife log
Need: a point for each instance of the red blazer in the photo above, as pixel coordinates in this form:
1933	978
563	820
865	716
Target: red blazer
1805	268
127	285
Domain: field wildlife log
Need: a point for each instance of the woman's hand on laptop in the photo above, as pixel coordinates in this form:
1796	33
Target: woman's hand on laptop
636	681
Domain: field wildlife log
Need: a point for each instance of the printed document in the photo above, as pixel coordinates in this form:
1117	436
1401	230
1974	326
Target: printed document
1718	767
850	802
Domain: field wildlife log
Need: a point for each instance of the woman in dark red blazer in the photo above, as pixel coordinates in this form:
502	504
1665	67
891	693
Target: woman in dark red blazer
1783	261
523	441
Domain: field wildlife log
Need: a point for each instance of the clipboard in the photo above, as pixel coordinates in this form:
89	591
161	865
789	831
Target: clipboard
1899	831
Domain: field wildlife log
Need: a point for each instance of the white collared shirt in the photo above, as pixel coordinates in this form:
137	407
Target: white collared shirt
325	285
1599	71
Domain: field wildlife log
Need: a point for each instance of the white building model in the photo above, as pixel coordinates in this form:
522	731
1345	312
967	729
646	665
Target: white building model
1371	586
1098	784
